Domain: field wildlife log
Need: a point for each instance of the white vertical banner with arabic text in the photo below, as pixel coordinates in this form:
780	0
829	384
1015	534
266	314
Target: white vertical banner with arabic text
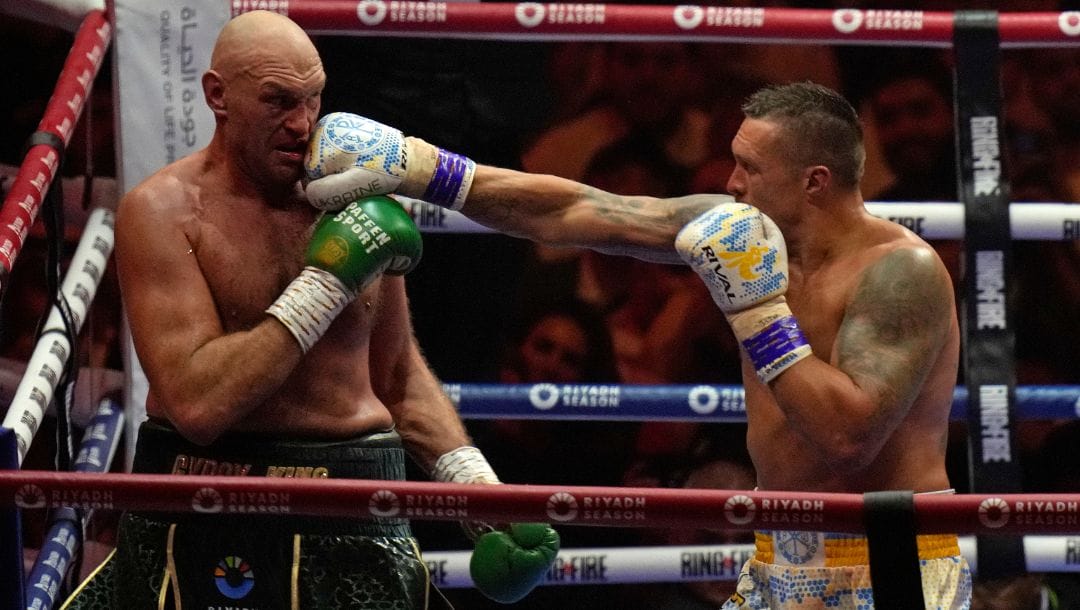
162	48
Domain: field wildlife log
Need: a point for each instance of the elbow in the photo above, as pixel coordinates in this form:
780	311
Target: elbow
550	233
850	456
196	425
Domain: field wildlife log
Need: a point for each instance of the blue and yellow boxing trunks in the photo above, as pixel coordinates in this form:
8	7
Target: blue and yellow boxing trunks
261	558
818	570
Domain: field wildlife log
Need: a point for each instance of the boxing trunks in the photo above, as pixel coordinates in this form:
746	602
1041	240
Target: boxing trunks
793	569
255	556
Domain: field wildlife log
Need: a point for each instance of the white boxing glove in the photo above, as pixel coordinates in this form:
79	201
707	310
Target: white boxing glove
350	156
741	255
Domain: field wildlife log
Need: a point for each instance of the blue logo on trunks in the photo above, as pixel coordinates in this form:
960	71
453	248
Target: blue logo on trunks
796	548
234	577
351	135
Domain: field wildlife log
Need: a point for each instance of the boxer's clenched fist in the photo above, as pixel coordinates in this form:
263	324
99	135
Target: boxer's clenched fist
741	256
348	250
350	156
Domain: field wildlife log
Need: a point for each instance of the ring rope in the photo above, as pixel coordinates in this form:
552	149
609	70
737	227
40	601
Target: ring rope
59	551
1009	37
707	403
555	21
52	353
41	162
929	220
625	565
567	505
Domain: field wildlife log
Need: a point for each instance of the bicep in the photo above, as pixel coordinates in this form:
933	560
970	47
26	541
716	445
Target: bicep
165	296
895	326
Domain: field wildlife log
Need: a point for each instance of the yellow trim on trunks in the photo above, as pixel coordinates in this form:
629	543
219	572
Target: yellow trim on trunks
847	550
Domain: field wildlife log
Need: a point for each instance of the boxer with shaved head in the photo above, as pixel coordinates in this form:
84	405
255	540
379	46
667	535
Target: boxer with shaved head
277	342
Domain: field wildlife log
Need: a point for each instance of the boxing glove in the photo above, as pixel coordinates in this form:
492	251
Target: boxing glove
506	565
347	251
742	258
350	156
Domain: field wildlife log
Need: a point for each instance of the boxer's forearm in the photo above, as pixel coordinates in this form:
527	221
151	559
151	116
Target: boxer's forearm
423	414
557	211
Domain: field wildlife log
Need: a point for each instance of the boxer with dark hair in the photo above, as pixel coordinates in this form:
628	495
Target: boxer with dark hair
850	340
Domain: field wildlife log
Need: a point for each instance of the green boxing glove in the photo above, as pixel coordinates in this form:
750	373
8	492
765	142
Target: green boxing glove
369	236
507	564
348	250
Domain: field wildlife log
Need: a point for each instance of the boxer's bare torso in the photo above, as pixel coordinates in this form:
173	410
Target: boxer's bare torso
230	255
913	454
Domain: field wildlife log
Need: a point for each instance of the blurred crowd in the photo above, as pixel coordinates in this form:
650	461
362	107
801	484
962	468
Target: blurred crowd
634	118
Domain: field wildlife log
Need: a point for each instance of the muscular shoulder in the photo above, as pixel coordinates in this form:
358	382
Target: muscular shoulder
907	281
171	192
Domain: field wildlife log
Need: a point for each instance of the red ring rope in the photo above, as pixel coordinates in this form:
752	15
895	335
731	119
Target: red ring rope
61	114
552	21
598	506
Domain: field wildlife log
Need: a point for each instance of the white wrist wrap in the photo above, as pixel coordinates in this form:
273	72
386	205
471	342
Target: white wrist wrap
464	465
309	304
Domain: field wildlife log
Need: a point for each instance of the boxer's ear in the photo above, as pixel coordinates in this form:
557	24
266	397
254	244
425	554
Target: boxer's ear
214	90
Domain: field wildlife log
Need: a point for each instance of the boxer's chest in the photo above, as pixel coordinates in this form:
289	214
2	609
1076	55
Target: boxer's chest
248	257
819	302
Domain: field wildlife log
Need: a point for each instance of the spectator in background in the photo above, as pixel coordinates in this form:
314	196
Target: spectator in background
557	344
663	325
1042	90
562	343
911	107
661	322
649	90
910	103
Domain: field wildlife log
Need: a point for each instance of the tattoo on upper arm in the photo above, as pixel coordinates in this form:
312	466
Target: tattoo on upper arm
895	325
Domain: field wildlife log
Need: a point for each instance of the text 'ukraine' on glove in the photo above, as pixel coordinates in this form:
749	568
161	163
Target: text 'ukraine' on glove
350	156
741	255
507	564
347	251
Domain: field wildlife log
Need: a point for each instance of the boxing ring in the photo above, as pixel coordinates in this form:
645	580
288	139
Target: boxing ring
1043	530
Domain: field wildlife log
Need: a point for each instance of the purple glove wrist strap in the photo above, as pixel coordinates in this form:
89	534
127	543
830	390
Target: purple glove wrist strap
779	338
450	170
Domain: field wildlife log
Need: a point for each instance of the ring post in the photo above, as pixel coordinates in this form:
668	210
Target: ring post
10	530
989	338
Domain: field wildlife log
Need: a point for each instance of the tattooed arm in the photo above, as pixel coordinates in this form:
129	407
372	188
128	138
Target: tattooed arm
894	327
556	211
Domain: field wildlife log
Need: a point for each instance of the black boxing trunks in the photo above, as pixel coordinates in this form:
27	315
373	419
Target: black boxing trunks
257	556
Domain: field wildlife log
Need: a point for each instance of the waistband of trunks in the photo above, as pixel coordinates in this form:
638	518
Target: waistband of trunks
826	549
161	449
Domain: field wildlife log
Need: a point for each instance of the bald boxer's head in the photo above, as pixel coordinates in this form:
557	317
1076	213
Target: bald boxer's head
258	40
264	87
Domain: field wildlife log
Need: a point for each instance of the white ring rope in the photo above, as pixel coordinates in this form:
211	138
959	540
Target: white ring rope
929	220
622	565
53	351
